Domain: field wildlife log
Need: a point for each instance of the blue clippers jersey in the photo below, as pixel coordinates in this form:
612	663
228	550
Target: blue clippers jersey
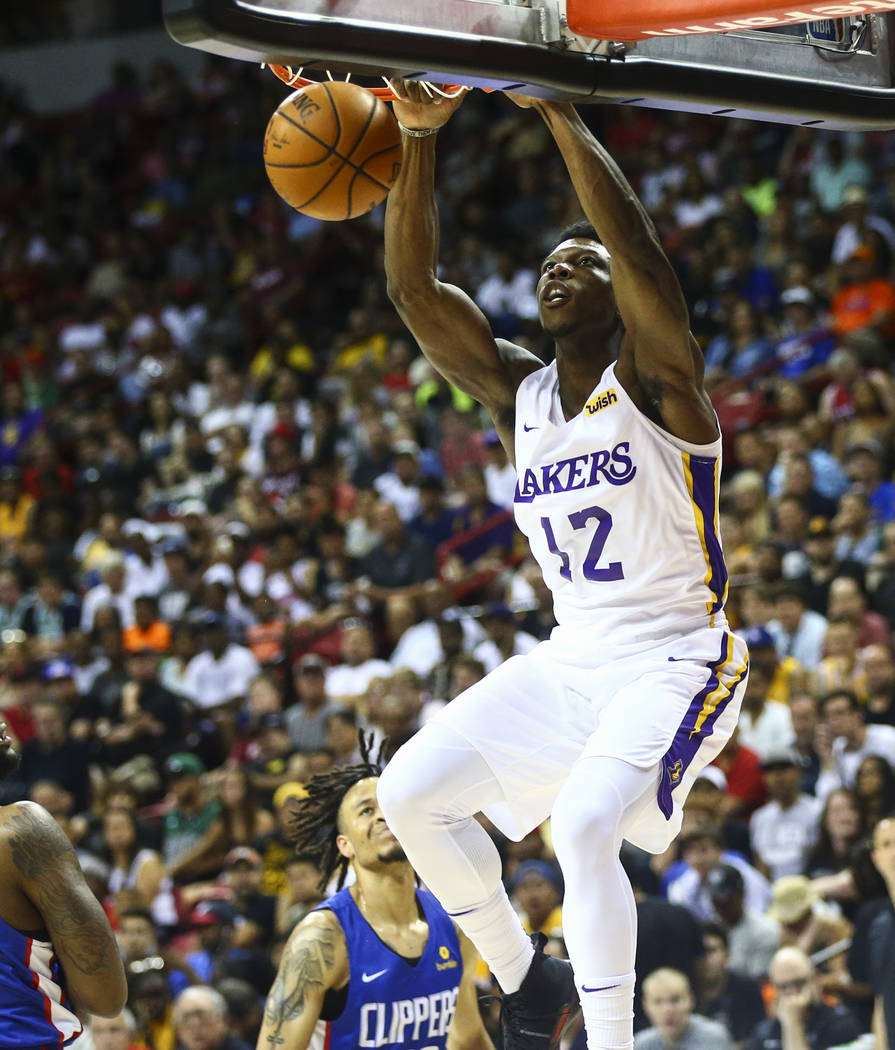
35	1012
390	1002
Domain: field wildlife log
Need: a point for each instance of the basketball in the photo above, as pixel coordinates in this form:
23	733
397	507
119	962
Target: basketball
332	150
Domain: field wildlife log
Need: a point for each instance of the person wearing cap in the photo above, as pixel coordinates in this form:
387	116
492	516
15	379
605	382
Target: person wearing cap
255	909
56	946
802	1020
435	521
865	300
223	951
724	994
752	936
785	829
764	723
806	344
865	462
344	974
537	895
400	486
504	638
818	929
500	474
860	226
669	1004
188	823
220	673
54	754
306	719
145	570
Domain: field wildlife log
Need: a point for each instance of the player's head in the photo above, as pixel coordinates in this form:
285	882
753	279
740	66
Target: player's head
9	756
340	823
575	286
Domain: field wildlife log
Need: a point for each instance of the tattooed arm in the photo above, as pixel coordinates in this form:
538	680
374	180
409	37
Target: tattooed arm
314	960
48	874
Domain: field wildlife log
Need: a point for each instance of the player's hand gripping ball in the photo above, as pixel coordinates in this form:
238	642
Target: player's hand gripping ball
332	150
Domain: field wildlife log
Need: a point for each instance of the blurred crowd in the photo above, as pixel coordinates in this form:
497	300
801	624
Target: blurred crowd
241	518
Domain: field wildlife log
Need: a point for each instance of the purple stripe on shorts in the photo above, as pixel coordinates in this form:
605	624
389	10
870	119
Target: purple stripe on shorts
687	739
703	470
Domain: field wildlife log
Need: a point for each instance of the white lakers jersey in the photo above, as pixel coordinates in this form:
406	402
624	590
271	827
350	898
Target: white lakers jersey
621	516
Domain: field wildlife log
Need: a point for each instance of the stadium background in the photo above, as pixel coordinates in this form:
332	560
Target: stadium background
240	515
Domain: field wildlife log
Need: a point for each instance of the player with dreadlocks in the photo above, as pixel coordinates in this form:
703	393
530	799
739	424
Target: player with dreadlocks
380	964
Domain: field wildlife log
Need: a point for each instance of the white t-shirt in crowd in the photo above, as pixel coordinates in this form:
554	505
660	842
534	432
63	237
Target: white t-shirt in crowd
209	682
782	838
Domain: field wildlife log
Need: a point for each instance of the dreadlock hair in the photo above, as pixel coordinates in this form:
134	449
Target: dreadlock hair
313	823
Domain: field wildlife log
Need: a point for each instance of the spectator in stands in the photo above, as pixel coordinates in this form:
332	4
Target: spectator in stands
753	937
347	682
306	719
537	890
201	1021
848	601
668	1002
882	934
865	300
874	790
400	486
803	711
803	1018
797	630
764	723
504	637
701	850
723	994
840	831
113	1033
111	591
220	672
187	823
849	739
147	631
53	755
785	829
435	522
812	925
879	668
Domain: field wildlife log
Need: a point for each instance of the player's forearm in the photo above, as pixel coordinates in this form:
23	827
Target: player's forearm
603	191
411	220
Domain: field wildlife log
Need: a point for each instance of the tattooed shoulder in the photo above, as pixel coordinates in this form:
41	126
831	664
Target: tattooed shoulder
35	841
312	961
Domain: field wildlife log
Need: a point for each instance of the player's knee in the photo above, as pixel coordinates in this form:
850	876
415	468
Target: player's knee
403	797
585	823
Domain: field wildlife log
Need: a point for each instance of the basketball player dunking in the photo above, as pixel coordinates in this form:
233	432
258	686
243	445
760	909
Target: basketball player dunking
380	963
618	454
55	940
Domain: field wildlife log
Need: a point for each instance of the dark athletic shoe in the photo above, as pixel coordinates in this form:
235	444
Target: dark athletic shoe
535	1017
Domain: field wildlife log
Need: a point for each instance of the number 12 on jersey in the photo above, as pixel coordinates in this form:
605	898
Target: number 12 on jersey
589	567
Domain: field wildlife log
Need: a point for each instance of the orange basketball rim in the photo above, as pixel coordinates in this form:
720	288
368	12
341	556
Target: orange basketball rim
294	79
643	19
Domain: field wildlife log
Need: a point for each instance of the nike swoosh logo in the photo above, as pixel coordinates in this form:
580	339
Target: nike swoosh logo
604	989
526	428
367	977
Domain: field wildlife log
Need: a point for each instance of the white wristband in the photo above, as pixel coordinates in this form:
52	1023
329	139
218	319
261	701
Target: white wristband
417	133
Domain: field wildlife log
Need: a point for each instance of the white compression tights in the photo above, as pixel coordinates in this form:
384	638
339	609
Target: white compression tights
429	794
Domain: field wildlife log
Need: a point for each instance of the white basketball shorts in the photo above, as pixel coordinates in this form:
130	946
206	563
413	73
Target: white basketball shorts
672	706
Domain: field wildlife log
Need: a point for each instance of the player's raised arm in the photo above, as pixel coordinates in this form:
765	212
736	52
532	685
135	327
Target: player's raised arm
658	352
451	330
44	864
314	960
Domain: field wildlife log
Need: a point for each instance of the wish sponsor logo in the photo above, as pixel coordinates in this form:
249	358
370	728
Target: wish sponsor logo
407	1022
613	466
601	400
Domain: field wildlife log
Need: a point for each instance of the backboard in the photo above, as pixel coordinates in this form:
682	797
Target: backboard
837	72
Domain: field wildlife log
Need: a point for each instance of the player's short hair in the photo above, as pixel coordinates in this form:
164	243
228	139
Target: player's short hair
580	230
